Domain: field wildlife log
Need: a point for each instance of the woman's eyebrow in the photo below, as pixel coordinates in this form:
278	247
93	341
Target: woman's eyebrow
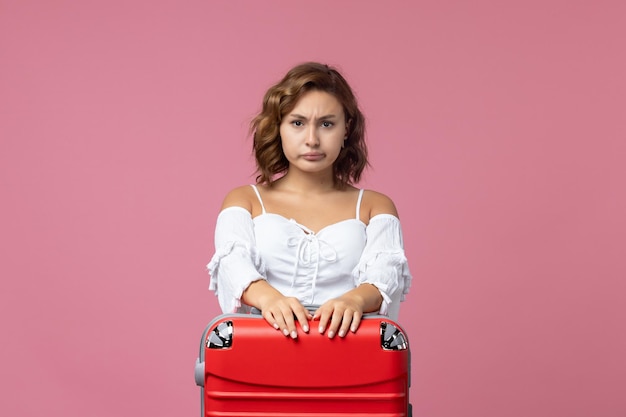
325	117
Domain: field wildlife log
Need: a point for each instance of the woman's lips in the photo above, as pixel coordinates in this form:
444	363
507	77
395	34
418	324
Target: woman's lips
313	156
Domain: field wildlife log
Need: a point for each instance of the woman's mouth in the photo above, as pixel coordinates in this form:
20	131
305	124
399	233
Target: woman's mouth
312	156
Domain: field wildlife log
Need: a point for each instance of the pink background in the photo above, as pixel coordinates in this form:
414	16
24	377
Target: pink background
497	127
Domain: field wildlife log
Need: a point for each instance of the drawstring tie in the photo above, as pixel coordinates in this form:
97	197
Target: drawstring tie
310	250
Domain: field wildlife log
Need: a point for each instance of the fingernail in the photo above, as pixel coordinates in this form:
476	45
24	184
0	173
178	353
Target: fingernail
342	333
331	334
353	329
286	332
276	326
294	334
321	329
305	328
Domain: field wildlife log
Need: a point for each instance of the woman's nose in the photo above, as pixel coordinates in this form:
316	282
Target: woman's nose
312	138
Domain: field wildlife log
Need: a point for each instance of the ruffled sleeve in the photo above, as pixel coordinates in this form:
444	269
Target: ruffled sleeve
236	262
384	264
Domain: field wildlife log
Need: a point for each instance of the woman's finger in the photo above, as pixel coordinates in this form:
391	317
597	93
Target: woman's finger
356	321
323	315
282	322
335	322
287	317
269	318
303	317
346	321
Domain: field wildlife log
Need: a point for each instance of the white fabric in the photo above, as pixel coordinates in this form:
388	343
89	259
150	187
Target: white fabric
313	267
236	262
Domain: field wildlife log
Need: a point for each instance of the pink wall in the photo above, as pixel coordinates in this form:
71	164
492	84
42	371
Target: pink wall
498	129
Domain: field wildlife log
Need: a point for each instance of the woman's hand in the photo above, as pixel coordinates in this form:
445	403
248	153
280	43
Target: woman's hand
279	311
344	313
282	312
339	315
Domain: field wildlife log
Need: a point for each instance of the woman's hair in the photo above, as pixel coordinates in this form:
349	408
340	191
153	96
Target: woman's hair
280	99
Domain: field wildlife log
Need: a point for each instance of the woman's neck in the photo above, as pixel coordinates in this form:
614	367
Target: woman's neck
296	182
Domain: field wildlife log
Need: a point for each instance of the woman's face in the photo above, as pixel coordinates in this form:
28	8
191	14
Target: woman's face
313	132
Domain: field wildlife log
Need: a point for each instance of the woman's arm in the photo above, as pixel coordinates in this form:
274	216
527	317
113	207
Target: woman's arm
278	310
344	313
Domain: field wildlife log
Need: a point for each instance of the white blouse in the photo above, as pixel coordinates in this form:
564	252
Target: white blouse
313	267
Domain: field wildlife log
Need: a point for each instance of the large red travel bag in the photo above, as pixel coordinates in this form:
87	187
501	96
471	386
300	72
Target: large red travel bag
248	369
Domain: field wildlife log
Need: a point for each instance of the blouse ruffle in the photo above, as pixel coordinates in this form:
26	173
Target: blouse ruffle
384	264
236	262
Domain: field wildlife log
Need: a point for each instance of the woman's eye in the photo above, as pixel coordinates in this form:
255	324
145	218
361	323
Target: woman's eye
297	123
327	124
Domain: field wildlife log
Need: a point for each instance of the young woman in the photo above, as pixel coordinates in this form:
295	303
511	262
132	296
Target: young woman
304	236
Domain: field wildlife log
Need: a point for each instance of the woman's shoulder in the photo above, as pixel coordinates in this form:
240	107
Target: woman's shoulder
242	196
376	203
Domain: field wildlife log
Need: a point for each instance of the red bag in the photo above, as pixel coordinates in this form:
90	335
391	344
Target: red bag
247	368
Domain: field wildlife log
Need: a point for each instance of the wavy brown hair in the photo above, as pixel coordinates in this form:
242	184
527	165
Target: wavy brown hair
281	98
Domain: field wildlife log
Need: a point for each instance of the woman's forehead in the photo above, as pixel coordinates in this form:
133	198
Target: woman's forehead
317	103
